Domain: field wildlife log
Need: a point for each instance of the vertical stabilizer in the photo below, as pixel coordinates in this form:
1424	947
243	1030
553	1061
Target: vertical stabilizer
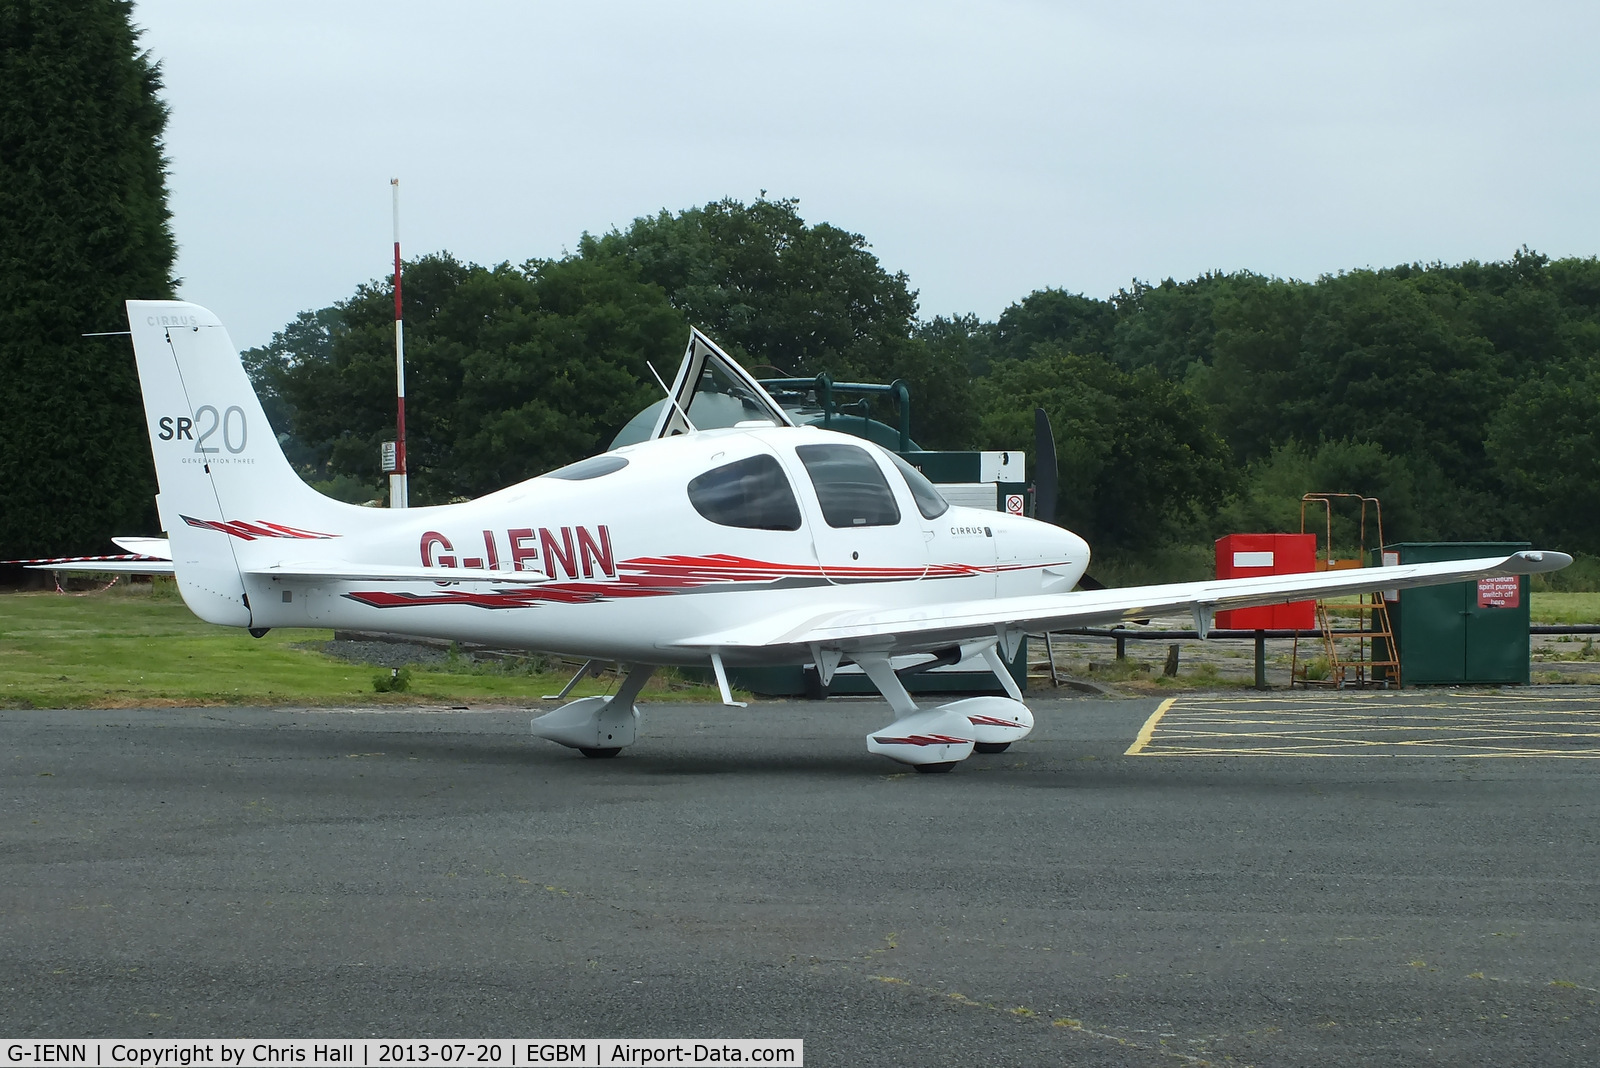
224	480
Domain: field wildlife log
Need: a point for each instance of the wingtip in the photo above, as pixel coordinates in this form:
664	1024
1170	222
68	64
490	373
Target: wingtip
1536	560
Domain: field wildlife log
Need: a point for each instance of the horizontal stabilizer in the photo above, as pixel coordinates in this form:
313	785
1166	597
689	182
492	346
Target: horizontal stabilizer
107	565
160	548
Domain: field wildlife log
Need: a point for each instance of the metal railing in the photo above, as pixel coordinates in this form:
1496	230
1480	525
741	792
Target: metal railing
1121	635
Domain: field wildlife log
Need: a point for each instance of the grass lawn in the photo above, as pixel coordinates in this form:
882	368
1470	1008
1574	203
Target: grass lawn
132	646
1550	607
1544	606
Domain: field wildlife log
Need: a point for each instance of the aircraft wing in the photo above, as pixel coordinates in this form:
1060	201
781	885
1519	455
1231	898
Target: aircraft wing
938	626
339	570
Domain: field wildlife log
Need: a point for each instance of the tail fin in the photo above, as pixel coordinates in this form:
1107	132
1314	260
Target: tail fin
224	480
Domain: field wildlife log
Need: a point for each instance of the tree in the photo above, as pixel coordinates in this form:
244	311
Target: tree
1170	326
1520	306
964	339
510	371
791	300
307	340
556	384
1252	373
1077	323
1545	445
1135	456
1269	498
83	227
773	291
1382	362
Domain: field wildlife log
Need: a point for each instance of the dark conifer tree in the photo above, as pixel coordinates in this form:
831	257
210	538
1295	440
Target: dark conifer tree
83	227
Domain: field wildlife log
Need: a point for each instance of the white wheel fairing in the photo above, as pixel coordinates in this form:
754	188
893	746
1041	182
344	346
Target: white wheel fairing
936	736
995	720
589	723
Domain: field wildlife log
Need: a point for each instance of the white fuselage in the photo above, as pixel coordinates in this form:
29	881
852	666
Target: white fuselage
631	565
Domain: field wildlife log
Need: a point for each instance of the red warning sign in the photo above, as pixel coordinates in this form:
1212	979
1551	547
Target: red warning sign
1014	503
1504	592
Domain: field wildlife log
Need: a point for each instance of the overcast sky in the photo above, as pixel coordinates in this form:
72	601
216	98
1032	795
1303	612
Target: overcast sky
987	150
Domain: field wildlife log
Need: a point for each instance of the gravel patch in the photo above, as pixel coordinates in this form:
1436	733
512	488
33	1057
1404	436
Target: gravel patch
383	654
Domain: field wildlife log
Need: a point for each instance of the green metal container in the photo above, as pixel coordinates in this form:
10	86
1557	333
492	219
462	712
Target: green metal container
1465	632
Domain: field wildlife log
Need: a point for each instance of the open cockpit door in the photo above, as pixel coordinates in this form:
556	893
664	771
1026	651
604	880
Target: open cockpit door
714	391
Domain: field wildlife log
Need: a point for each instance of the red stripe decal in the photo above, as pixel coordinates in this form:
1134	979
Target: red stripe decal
659	576
923	739
238	528
138	557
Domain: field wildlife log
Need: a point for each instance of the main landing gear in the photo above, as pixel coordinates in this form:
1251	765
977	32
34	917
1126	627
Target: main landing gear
931	740
598	727
937	739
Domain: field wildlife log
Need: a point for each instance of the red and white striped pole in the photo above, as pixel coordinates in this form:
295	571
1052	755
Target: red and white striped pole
399	492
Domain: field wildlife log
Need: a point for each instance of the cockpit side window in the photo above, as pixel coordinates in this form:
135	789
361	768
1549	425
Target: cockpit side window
753	493
850	486
930	502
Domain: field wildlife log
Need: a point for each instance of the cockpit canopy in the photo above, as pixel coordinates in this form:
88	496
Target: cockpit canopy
851	488
713	392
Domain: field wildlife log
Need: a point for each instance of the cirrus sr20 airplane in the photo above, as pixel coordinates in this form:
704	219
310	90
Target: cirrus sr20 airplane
762	543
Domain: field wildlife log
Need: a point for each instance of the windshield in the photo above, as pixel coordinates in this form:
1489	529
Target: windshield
930	502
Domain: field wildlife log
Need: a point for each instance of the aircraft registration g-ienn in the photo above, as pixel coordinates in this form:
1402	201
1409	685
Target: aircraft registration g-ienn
763	543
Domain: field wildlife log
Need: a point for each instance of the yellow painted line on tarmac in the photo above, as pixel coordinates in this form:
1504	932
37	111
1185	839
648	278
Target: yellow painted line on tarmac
1149	729
1473	726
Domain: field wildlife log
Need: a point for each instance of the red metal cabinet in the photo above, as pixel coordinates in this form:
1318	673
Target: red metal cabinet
1254	555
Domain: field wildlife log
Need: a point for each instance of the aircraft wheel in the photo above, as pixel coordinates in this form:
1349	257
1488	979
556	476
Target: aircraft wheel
935	769
600	754
991	748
